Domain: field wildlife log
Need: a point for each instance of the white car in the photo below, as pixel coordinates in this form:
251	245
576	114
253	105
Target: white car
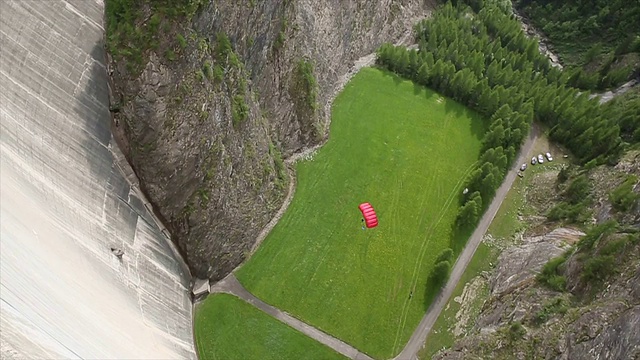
549	156
534	160
540	159
523	167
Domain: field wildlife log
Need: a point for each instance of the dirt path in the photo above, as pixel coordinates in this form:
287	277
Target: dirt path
231	285
419	336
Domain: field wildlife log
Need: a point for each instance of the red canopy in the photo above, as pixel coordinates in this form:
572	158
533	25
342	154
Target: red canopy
369	215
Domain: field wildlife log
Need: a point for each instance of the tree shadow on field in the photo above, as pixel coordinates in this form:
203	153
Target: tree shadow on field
428	93
431	292
452	106
478	126
397	80
433	287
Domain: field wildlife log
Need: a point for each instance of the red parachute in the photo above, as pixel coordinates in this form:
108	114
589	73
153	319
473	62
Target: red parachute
369	215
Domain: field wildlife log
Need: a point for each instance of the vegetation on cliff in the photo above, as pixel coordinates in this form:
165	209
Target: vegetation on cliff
134	26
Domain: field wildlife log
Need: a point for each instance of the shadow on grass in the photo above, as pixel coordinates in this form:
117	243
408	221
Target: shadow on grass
459	238
452	106
397	80
478	125
432	291
457	242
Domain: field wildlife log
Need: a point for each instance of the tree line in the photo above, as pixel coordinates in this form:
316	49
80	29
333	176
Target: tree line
484	60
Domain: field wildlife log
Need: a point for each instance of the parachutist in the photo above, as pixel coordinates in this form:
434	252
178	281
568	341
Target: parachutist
370	219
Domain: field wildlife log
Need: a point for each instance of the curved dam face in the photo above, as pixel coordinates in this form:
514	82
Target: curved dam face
67	200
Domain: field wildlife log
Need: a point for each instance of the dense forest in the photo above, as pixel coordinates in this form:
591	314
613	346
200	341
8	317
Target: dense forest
598	39
484	60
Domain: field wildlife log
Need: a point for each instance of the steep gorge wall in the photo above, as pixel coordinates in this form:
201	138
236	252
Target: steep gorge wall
65	202
216	175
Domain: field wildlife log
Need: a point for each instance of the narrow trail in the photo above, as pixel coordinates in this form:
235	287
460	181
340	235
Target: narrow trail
231	285
419	336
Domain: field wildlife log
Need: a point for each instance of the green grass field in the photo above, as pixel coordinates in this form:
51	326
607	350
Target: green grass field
227	328
404	149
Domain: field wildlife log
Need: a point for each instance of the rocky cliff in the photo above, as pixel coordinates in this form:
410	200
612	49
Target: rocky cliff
589	306
208	109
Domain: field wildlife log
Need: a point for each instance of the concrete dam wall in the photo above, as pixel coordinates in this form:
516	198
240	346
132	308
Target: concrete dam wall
67	200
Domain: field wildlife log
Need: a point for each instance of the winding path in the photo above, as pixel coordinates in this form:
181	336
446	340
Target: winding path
417	340
231	285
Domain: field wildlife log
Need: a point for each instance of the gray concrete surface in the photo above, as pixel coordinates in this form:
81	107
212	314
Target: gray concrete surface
419	336
65	203
231	285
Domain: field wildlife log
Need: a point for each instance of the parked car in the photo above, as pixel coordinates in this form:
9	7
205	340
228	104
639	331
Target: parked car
520	174
523	167
534	160
549	156
540	159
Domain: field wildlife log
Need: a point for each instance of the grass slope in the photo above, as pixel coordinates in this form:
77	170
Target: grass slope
228	328
406	150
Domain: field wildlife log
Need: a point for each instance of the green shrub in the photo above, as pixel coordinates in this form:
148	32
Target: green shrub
578	213
170	55
200	75
551	274
445	255
280	168
308	83
239	110
599	268
440	274
623	198
615	246
223	46
557	305
516	331
596	233
578	190
208	70
182	42
218	73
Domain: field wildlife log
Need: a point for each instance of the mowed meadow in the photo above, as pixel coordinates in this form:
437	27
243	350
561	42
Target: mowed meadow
228	328
407	151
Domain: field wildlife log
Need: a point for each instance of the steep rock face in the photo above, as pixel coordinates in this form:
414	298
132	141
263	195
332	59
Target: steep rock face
520	264
206	126
605	327
597	317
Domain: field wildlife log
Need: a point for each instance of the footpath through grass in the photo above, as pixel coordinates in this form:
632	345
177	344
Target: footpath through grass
230	329
404	149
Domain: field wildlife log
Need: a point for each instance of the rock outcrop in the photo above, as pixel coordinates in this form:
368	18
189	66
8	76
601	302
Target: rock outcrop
206	127
597	316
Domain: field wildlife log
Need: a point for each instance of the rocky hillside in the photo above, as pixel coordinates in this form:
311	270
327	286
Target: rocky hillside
209	97
566	294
